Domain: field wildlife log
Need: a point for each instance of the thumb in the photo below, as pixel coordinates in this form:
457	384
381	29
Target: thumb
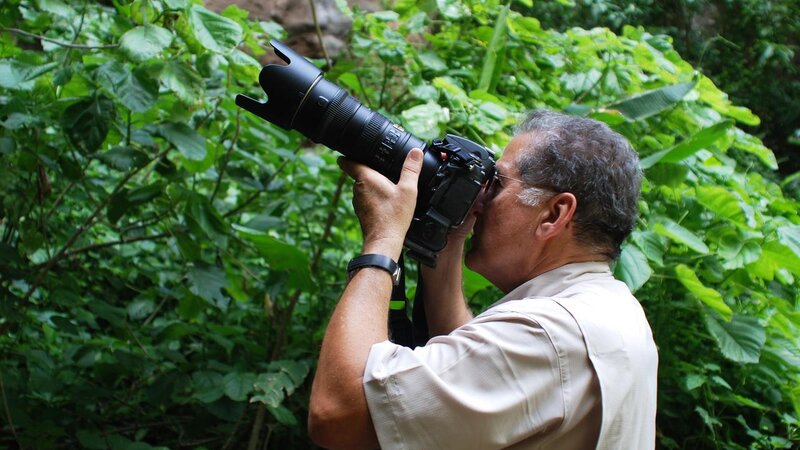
411	168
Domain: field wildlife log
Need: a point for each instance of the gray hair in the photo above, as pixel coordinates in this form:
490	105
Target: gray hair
588	159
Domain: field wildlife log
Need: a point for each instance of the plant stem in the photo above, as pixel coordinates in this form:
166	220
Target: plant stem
313	6
53	41
227	155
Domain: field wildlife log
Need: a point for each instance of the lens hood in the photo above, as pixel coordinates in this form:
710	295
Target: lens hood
285	85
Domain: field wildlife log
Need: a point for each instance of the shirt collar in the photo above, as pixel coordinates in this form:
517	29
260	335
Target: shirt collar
552	283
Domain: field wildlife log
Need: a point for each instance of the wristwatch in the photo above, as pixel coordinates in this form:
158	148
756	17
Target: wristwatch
375	260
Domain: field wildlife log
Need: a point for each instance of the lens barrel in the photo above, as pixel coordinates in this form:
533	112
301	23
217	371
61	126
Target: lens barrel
300	98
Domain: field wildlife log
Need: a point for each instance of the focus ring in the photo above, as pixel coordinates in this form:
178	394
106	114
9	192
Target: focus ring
339	113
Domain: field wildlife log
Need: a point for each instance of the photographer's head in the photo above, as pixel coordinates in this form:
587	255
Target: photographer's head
567	191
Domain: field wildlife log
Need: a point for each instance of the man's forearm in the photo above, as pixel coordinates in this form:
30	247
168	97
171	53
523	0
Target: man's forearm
339	416
445	306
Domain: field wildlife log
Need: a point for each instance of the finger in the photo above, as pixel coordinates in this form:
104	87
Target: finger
356	170
411	169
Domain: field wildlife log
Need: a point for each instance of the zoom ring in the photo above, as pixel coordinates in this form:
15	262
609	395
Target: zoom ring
373	128
340	112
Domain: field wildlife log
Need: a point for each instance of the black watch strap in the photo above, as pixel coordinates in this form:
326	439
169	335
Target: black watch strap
375	260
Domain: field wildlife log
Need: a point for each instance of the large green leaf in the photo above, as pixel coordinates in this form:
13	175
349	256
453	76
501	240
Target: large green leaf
735	248
774	257
281	256
704	138
297	371
16	74
426	120
496	45
754	146
740	339
182	79
134	87
722	202
238	385
207	281
452	9
270	388
189	142
207	386
642	106
677	233
202	219
86	122
708	296
145	42
632	267
216	33
124	158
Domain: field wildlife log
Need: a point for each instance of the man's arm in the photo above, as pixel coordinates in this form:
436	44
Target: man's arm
445	306
338	412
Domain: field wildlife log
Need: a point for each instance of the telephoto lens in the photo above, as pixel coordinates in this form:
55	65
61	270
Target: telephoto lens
454	169
299	98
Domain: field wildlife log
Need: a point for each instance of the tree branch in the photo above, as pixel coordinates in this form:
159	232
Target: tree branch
87	224
227	155
54	41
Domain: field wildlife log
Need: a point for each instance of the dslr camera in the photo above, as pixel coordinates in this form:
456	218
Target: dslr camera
454	169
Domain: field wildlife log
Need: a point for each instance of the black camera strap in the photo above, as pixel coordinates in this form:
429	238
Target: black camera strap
408	332
400	328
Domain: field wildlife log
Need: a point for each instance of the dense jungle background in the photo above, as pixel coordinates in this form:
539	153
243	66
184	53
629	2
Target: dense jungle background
168	261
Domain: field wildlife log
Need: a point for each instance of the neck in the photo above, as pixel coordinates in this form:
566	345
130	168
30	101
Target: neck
553	257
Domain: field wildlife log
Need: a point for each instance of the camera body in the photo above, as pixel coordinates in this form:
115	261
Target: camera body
454	169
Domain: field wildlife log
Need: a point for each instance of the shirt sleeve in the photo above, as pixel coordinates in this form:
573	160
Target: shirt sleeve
493	382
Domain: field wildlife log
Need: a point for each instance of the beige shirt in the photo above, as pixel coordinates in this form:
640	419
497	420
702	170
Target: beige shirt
564	361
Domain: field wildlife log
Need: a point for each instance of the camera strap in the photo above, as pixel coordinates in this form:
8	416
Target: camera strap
400	328
408	332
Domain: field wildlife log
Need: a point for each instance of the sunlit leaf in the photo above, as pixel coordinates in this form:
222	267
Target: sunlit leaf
182	79
708	296
722	202
679	234
642	106
426	120
704	138
452	9
135	88
145	42
15	74
215	32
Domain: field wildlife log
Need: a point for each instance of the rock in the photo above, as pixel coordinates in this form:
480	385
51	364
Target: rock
296	18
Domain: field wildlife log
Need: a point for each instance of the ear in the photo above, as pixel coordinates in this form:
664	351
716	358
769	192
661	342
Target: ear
556	215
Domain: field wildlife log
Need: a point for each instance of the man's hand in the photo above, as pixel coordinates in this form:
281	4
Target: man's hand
384	209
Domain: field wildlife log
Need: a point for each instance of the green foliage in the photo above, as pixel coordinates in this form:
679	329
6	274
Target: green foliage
748	47
168	261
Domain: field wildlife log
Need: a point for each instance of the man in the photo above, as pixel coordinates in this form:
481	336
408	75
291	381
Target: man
565	360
